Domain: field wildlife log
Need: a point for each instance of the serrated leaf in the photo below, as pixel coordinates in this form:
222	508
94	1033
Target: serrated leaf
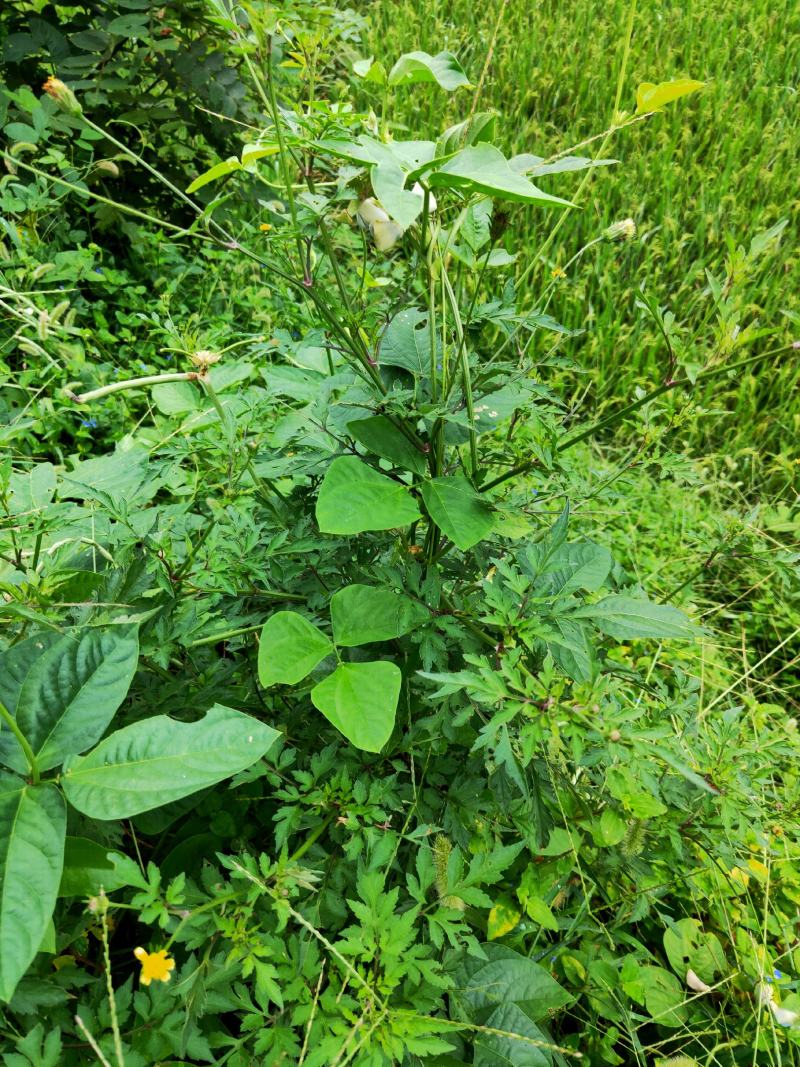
458	510
361	614
360	700
289	648
158	760
33	823
353	498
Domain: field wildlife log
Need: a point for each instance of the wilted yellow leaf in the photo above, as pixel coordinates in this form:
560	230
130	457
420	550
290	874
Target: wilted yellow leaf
650	97
503	917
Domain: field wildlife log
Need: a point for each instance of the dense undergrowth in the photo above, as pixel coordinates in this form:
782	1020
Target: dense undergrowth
398	567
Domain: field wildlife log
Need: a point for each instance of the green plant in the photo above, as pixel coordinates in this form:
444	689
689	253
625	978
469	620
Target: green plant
474	815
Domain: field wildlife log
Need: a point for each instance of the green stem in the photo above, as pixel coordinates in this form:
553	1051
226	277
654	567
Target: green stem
131	383
466	378
230	431
33	766
225	635
611	420
312	837
105	200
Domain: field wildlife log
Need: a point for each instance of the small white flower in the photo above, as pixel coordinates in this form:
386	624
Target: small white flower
783	1016
696	983
370	212
765	993
384	232
417	188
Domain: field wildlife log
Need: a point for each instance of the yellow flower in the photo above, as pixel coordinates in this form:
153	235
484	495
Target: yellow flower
265	227
63	96
558	272
154	965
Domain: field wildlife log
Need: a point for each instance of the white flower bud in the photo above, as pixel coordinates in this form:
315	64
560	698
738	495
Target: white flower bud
370	212
417	188
696	983
384	232
783	1016
623	230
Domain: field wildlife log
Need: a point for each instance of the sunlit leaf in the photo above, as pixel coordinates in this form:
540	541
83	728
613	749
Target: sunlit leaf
651	97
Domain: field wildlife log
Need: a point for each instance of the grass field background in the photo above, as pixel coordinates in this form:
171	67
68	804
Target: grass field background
708	173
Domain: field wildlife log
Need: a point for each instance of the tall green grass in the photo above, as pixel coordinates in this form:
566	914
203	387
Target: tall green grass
717	167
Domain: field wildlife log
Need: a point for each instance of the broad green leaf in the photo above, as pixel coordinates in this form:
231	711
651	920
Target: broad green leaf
220	170
443	68
123	474
33	822
406	342
459	512
569	645
540	912
388	183
360	700
66	691
289	648
158	760
663	996
689	947
380	435
370	69
581	565
361	614
505	977
88	866
482	168
32	490
176	398
610	830
626	617
353	497
521	1050
650	97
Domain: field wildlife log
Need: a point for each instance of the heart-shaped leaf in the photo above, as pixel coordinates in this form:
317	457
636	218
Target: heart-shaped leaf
360	700
443	68
482	168
353	497
290	648
650	97
381	436
459	512
361	614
